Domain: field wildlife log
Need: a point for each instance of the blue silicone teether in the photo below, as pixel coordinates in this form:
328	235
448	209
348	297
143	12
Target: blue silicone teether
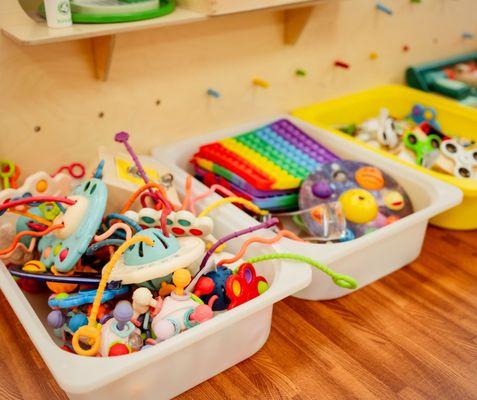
63	248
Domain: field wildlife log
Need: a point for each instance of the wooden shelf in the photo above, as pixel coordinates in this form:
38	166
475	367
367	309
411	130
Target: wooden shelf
29	32
32	31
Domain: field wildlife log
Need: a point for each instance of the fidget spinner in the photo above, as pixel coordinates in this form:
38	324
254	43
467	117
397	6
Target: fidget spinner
420	114
142	263
181	223
426	149
64	247
383	129
347	199
457	160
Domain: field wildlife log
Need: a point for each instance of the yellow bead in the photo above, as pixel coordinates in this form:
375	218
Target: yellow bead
41	185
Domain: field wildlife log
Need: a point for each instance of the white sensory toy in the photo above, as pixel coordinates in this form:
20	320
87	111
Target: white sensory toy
143	263
181	223
174	316
142	300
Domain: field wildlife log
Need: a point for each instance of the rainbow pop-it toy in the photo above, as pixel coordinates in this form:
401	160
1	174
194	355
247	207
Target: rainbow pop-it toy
267	165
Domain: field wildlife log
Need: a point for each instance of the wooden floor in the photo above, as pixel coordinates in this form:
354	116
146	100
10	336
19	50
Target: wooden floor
412	335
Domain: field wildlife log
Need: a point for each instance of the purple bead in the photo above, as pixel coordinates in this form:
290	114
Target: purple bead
123	313
121	137
321	190
55	319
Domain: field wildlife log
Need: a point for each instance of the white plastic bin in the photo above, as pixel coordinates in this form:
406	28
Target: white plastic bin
178	364
369	257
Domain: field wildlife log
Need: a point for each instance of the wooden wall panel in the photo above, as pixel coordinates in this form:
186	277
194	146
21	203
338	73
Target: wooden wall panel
53	87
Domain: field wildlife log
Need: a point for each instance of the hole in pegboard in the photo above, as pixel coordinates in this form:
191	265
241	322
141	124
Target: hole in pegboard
435	40
101	114
158	102
37	128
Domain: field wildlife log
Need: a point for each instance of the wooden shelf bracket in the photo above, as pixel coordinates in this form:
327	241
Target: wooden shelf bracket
295	20
103	49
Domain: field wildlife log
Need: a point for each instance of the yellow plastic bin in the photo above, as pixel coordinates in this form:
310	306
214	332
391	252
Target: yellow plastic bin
454	119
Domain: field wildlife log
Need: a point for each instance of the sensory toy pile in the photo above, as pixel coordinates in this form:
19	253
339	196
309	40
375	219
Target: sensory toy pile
282	169
419	139
127	280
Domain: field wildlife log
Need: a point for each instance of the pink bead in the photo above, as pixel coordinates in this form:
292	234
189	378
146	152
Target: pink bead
202	314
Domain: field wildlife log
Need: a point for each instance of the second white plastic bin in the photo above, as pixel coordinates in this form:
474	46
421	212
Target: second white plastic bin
369	257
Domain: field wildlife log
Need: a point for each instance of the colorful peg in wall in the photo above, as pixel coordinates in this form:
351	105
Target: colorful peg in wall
213	93
405	48
383	8
373	56
467	35
261	83
300	72
341	64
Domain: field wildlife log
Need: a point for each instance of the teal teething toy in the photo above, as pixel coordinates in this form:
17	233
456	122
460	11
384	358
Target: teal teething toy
63	248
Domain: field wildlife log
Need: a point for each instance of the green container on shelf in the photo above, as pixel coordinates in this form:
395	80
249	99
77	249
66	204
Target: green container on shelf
437	77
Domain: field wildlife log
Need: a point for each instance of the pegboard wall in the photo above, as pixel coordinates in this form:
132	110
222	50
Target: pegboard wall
53	110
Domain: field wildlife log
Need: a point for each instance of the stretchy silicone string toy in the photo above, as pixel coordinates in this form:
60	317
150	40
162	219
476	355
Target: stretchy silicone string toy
92	331
188	187
34	217
23	247
341	280
248	204
81	171
162	197
123	218
34	199
257	239
29	233
112	229
264	225
214	188
123	137
107	242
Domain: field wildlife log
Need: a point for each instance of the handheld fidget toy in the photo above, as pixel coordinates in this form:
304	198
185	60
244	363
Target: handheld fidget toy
383	130
64	247
180	310
274	157
369	198
420	113
425	149
230	288
119	335
457	160
143	263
